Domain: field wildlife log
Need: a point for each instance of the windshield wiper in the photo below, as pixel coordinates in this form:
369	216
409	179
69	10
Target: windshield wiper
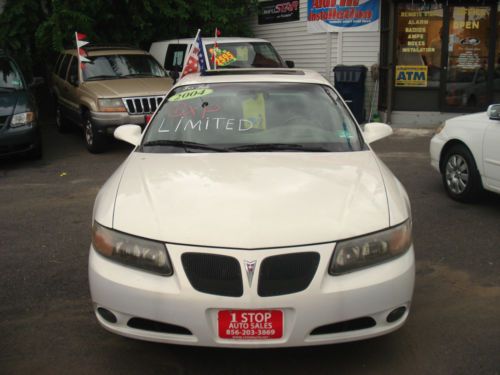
141	75
8	88
278	147
104	76
184	144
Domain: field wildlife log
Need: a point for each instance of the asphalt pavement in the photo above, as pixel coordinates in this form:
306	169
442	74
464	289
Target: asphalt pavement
47	325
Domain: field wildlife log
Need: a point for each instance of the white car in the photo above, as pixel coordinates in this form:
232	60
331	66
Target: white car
466	151
252	213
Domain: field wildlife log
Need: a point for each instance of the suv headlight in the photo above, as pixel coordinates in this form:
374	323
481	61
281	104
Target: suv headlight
131	251
111	105
21	119
370	250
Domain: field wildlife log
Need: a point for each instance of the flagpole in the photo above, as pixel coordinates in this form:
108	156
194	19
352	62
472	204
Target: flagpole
80	73
215	49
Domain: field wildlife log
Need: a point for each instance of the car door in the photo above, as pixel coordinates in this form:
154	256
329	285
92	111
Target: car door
492	154
62	89
72	87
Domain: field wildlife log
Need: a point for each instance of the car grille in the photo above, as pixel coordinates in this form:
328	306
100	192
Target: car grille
287	273
213	274
279	274
142	105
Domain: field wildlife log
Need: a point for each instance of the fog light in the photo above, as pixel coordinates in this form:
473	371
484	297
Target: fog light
396	314
107	315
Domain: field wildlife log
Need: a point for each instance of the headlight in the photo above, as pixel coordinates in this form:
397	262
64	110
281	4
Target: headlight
22	119
111	105
131	251
370	250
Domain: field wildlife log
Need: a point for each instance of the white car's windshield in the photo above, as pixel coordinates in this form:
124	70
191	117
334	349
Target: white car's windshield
252	117
119	66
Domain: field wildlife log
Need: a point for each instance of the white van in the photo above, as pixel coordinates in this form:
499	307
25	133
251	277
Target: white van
231	53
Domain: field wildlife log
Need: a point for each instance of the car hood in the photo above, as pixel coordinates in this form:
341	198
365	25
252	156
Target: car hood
129	87
251	200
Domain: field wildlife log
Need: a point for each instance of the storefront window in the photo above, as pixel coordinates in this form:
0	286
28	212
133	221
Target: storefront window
468	49
418	45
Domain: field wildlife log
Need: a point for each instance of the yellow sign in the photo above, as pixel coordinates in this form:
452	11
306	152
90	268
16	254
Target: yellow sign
254	110
411	75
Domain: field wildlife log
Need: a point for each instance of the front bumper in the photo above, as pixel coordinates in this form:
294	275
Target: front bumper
108	121
372	292
435	148
20	140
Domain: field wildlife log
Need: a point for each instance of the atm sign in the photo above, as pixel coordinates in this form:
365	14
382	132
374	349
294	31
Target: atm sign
411	75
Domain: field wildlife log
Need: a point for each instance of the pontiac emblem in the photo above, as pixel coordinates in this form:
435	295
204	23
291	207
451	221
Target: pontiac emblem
250	269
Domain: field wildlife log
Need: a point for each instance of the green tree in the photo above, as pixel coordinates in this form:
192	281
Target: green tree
35	30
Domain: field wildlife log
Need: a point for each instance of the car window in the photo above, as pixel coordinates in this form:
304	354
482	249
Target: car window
63	68
118	66
10	76
58	63
245	55
73	71
174	59
235	114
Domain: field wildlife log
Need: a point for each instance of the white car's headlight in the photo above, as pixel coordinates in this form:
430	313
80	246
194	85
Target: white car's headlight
367	251
131	251
21	119
111	105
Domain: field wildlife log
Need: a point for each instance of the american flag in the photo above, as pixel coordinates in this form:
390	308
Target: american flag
196	60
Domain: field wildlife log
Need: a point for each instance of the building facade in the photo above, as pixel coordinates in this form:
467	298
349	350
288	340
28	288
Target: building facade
436	59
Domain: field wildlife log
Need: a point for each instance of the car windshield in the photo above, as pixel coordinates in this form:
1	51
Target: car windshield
10	77
244	55
252	117
119	66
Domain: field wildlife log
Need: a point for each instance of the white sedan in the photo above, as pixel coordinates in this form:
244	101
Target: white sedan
252	213
466	151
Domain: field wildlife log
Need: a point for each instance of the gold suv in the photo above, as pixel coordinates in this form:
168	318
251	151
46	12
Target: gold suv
118	86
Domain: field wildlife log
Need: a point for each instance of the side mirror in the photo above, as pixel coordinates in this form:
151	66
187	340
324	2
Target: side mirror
290	63
374	131
128	133
174	74
494	112
37	81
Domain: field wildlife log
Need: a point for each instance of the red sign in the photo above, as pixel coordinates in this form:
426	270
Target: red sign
250	324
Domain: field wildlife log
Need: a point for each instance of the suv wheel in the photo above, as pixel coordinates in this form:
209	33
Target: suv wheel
61	123
96	142
461	178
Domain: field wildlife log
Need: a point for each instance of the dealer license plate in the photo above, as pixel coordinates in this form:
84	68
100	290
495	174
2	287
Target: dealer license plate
250	324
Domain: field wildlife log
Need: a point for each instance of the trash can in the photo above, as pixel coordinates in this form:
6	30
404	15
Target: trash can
350	83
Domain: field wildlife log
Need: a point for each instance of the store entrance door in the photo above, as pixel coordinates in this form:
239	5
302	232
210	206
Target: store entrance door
464	80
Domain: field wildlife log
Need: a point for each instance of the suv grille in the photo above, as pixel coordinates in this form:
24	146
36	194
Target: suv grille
213	274
288	273
142	105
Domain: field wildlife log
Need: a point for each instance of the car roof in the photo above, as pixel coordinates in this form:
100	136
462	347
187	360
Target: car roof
211	40
255	75
102	51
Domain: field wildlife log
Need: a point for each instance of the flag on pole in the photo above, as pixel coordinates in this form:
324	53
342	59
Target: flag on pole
216	47
196	58
82	54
